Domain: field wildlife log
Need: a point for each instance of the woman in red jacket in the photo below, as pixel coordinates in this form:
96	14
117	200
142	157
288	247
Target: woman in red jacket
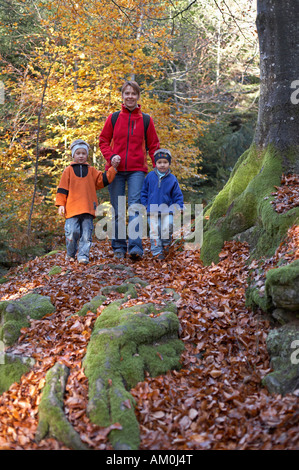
127	139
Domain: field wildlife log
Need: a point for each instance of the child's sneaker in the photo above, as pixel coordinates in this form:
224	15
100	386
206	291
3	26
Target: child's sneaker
83	261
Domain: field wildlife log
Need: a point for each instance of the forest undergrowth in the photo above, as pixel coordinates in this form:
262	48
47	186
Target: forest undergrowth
215	401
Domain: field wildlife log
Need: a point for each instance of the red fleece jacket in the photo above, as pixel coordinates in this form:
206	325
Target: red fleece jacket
77	188
127	140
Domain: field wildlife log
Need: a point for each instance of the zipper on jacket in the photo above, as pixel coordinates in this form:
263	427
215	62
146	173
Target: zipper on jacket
81	175
160	178
128	138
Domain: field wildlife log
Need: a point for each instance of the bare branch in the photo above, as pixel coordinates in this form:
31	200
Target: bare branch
37	141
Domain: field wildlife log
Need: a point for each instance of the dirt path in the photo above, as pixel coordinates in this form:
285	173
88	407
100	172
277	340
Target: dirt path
216	401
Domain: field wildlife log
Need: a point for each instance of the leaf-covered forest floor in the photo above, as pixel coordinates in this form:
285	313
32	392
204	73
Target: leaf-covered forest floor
216	400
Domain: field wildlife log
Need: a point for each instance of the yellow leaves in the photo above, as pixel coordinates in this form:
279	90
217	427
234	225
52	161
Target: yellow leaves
98	45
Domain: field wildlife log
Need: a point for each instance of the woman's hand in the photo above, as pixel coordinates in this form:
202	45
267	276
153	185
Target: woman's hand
115	161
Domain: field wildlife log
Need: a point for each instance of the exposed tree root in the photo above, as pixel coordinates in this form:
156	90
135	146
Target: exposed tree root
52	420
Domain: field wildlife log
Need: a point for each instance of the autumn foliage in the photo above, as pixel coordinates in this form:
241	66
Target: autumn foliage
216	400
75	59
78	55
286	195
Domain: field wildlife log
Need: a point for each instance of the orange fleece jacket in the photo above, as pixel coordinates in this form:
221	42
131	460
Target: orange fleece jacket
77	188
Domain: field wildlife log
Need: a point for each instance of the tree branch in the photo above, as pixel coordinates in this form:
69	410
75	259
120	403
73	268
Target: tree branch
37	143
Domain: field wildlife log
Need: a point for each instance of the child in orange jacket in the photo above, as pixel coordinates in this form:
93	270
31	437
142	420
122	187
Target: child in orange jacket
76	199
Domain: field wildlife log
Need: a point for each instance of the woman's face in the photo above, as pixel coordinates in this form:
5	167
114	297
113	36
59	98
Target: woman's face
130	97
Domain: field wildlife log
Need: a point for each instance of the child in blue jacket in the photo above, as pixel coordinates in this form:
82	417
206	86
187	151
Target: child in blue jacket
161	195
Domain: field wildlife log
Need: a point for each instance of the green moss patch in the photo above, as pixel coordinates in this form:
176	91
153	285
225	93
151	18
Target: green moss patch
282	286
11	370
52	420
55	270
92	306
282	345
279	292
244	203
125	343
16	314
129	288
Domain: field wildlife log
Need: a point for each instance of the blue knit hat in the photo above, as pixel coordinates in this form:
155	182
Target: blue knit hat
162	153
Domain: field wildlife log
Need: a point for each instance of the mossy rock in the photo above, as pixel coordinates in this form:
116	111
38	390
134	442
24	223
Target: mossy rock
16	314
125	288
128	288
121	267
51	253
283	347
255	297
244	206
279	294
55	270
11	369
92	306
282	286
126	343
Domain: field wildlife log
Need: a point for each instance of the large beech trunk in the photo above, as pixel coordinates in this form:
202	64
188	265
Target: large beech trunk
278	31
242	209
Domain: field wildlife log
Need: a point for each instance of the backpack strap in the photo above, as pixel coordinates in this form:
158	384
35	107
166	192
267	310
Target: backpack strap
146	121
114	118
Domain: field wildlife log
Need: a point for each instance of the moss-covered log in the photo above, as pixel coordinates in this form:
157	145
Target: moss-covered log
125	343
52	420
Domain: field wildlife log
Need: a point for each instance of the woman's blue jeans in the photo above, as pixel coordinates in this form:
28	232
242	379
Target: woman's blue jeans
134	181
78	235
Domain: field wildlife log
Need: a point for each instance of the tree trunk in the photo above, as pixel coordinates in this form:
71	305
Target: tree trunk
243	207
278	31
